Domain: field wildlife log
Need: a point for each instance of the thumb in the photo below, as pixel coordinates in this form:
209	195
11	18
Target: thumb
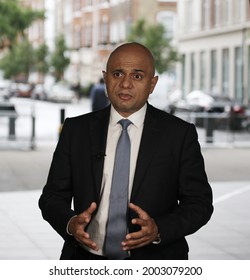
141	213
85	216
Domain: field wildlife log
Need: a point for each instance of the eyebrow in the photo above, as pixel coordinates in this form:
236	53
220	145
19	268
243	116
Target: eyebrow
134	70
139	70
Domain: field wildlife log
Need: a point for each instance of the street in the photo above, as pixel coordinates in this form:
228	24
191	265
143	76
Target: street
24	172
225	164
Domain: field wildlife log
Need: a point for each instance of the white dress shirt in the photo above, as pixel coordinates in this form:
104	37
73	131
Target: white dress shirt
97	226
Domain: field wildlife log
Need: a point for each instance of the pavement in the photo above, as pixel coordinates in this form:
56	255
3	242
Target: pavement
25	235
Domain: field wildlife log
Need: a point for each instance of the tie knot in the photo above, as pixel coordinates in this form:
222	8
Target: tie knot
124	123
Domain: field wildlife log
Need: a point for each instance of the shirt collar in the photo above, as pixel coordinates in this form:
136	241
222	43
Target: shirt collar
136	118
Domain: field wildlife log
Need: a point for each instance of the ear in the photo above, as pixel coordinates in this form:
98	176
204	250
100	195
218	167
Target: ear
153	83
104	74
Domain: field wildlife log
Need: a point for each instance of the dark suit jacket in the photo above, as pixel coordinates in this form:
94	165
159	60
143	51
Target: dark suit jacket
170	182
98	97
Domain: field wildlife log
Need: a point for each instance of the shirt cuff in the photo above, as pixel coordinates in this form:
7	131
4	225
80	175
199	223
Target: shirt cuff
158	240
67	227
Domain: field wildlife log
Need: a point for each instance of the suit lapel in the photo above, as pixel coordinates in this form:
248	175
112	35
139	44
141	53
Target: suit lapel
98	134
149	142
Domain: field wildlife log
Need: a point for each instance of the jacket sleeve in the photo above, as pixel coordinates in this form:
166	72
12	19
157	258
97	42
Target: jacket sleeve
55	201
194	195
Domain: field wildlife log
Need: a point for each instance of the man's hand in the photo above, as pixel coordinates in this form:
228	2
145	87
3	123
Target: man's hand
145	236
78	224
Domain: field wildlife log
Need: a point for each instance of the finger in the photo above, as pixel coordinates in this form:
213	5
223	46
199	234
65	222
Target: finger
85	216
135	243
141	213
87	242
136	240
91	208
135	235
135	246
144	232
140	222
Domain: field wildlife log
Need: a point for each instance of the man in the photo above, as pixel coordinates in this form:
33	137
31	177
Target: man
169	195
98	97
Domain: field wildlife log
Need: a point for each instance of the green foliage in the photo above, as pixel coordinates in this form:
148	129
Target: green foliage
153	37
14	19
20	57
18	60
59	61
23	58
41	63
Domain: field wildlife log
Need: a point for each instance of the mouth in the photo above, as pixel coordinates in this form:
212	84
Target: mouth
124	96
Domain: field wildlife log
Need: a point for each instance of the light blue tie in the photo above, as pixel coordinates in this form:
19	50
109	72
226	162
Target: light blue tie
118	204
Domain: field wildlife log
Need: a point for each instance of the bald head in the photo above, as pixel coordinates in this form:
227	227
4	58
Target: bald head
134	49
130	77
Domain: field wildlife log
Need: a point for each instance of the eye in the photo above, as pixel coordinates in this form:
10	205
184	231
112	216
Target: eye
137	76
117	74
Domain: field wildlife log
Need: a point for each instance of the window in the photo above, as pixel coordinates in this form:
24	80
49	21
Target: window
247	13
203	71
77	37
189	15
166	0
88	35
88	3
225	72
183	75
77	5
192	71
225	12
117	31
217	12
206	9
104	32
214	86
239	10
238	74
167	19
248	74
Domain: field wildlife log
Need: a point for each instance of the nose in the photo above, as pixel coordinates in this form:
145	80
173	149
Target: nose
126	82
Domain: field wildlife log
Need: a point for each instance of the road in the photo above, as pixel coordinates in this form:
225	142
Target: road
227	164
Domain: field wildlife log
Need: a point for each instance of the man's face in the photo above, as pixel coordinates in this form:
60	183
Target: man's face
129	79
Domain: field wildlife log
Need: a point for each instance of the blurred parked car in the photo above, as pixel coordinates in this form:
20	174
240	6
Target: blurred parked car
39	92
61	92
246	124
4	89
20	89
13	89
198	101
24	90
174	98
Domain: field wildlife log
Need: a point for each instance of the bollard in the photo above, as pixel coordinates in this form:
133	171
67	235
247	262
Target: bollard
33	132
12	128
209	129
